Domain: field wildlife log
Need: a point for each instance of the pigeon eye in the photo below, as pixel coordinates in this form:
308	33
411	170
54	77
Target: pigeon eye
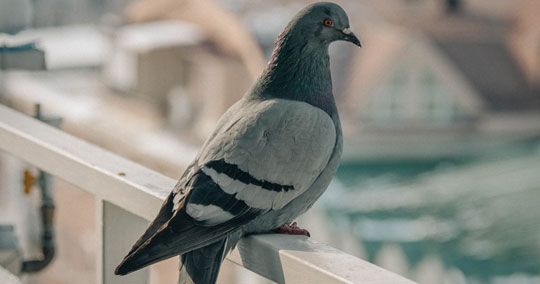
328	22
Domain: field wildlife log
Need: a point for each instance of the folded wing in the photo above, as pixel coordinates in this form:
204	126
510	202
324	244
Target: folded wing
261	156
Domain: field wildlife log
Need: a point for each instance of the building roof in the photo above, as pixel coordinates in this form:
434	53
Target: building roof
477	47
390	48
490	68
474	43
222	27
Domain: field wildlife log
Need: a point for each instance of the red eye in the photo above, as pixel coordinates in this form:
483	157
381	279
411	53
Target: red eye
328	22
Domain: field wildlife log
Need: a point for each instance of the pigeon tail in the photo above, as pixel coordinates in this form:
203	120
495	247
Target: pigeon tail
201	266
173	238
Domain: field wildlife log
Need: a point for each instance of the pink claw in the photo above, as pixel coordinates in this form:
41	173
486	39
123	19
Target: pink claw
291	229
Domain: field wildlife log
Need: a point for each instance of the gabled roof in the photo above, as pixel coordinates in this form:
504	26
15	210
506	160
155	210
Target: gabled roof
490	68
390	48
471	51
476	46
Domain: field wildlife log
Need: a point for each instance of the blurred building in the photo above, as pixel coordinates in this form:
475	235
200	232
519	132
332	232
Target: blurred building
196	71
444	84
175	67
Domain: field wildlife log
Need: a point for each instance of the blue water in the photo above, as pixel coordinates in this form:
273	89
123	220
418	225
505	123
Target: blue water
377	227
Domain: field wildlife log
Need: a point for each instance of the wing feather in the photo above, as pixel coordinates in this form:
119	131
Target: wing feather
262	156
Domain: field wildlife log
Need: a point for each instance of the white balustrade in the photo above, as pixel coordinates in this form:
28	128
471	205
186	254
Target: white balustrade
129	195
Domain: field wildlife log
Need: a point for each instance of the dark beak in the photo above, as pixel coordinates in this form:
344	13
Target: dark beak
349	36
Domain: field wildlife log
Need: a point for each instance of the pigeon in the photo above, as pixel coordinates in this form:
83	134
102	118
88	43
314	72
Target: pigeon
271	156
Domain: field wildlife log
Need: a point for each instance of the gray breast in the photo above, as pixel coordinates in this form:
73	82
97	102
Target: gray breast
302	203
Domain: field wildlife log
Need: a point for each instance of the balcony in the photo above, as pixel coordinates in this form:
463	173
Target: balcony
128	195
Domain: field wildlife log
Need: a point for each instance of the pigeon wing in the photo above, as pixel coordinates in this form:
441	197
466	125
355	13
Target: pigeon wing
261	156
270	153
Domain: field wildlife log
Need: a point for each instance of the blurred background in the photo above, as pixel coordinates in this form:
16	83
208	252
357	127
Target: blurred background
440	179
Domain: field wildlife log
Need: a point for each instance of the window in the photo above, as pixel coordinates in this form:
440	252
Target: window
437	105
414	97
387	104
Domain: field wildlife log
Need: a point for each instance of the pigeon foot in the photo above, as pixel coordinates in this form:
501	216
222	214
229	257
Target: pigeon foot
291	229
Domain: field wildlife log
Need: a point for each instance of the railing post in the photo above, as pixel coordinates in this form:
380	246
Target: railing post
99	240
117	231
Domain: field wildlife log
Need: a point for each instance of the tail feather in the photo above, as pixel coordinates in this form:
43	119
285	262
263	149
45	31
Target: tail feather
179	236
201	266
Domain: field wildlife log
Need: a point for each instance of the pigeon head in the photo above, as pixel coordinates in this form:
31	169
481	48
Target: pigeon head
321	24
299	68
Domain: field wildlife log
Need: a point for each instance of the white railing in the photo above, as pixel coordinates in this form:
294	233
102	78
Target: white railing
128	195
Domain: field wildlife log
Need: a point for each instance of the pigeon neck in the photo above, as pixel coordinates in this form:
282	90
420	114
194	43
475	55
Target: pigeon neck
298	70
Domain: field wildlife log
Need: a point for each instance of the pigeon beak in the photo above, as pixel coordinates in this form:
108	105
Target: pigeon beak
349	36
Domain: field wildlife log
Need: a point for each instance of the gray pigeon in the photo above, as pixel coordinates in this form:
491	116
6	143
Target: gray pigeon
272	154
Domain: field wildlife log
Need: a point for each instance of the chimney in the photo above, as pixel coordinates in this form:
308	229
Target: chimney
453	6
